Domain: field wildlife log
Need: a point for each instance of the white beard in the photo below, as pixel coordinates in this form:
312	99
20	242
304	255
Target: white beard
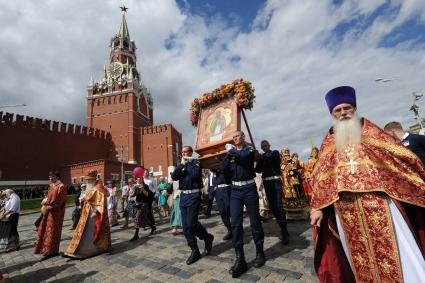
90	185
347	132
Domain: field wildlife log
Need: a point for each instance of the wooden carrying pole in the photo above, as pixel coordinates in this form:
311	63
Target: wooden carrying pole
247	127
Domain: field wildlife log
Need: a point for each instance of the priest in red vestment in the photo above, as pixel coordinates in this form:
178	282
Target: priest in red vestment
368	202
53	210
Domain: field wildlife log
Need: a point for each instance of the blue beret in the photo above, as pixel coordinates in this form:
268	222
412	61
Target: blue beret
340	95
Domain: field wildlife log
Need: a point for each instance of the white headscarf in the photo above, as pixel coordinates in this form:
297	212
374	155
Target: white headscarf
13	203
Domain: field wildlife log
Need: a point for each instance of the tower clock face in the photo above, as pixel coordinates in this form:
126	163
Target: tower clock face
115	70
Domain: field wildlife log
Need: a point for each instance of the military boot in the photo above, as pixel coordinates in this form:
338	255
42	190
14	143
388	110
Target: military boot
228	236
194	256
284	234
208	244
240	266
260	259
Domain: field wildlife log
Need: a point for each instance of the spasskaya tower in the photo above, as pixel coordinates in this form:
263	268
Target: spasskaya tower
120	103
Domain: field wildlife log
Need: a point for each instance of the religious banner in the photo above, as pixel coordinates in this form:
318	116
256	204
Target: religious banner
217	115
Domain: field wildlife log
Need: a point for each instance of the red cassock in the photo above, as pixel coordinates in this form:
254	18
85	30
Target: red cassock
358	188
50	228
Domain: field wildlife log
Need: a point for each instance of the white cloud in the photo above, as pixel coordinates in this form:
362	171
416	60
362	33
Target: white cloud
50	49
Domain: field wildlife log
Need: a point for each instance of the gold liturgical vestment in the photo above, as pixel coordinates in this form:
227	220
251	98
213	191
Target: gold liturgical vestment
93	200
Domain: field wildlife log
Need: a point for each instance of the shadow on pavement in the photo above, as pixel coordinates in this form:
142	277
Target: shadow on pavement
74	278
127	245
297	241
41	274
22	265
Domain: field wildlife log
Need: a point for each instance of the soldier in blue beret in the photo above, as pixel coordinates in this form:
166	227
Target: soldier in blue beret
189	175
239	162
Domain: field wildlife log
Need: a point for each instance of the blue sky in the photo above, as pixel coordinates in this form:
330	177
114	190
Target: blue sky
235	12
293	51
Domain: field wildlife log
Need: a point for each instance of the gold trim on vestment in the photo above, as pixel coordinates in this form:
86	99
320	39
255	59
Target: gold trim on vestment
334	233
381	165
370	237
393	148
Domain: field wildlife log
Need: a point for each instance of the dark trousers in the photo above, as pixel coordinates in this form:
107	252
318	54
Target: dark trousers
245	195
150	214
273	190
211	195
222	197
189	207
75	217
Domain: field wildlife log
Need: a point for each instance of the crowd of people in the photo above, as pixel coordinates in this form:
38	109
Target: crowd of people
364	191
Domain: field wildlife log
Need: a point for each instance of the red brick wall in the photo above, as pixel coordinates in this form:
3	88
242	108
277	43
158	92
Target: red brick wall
159	147
31	146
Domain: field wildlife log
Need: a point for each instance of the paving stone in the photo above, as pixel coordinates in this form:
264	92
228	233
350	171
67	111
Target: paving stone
162	257
184	274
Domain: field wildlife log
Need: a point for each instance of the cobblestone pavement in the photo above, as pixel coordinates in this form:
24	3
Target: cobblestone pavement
161	257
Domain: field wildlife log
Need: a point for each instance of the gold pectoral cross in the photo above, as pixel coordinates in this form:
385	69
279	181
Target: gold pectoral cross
353	166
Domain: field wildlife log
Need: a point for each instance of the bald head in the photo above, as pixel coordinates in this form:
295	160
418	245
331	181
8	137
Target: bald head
239	138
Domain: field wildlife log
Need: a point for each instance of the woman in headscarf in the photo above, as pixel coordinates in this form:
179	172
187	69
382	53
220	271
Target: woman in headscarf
112	203
9	217
176	215
143	216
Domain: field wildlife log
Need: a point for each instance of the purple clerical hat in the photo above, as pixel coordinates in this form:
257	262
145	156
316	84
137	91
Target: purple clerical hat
340	95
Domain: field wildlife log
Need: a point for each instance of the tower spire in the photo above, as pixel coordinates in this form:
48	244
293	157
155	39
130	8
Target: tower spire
123	32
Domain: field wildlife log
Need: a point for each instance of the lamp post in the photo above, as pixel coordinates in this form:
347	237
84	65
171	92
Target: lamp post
122	157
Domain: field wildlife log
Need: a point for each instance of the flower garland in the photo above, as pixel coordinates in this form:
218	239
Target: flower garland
242	91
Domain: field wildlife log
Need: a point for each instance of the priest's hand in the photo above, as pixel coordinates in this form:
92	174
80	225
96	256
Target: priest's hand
316	218
44	210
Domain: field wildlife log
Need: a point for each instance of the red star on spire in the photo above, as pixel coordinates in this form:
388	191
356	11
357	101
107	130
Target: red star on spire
124	9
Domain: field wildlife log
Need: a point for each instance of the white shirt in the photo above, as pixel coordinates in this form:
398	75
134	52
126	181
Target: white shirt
13	204
210	178
125	190
152	186
404	141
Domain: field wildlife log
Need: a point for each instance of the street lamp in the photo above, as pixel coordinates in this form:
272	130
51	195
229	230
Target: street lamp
415	96
385	80
415	108
16	105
